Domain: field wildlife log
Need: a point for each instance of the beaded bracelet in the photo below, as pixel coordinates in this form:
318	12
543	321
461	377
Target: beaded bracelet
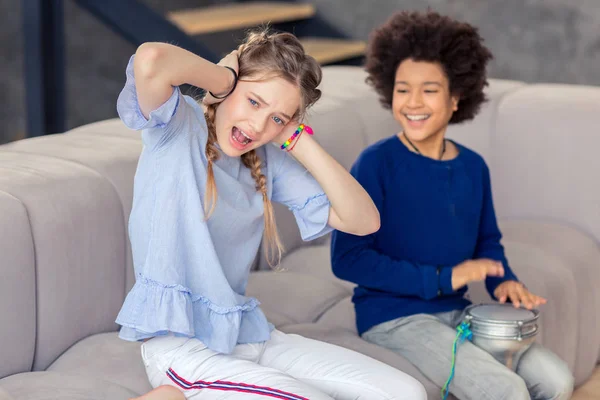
298	132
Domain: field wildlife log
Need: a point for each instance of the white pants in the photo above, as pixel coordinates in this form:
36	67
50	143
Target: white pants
288	367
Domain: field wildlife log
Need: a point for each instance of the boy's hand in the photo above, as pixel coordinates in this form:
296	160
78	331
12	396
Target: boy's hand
518	295
474	271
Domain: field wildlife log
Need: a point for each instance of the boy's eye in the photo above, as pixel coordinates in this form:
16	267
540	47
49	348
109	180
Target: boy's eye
253	102
431	91
401	91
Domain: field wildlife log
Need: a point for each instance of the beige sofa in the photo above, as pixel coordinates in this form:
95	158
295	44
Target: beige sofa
65	260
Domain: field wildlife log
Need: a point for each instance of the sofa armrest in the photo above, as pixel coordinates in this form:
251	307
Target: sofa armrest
561	263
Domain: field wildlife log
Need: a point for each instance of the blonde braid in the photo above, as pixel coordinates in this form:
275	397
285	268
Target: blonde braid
274	248
212	155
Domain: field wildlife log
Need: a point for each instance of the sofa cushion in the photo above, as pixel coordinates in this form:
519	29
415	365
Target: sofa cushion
293	297
347	85
4	395
108	148
546	146
108	127
108	358
56	385
330	119
341	315
17	286
477	134
315	261
344	82
76	221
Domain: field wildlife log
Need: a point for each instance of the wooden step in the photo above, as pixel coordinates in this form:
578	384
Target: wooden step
238	15
327	51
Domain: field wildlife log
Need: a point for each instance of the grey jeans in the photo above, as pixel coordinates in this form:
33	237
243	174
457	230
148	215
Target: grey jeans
426	341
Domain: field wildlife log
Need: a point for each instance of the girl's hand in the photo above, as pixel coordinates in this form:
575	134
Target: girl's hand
231	61
287	132
352	209
518	294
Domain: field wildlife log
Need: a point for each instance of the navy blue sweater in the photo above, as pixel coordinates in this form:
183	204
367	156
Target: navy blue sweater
434	215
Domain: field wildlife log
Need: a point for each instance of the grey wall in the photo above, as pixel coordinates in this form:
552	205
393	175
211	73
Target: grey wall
11	78
533	40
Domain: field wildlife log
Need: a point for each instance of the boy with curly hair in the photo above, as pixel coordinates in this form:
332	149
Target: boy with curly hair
438	226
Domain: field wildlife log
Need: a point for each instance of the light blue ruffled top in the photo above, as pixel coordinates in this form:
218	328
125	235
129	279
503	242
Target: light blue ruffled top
191	274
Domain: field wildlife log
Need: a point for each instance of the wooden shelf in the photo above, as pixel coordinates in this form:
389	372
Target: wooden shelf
327	51
238	15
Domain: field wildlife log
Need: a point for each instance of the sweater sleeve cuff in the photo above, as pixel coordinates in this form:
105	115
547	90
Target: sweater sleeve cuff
438	280
445	280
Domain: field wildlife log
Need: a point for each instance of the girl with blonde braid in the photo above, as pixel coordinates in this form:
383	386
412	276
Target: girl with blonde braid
202	200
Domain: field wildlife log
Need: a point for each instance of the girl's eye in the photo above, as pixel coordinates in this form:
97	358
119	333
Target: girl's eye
278	120
431	91
253	102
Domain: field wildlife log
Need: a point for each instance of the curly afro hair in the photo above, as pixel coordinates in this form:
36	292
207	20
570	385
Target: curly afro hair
430	37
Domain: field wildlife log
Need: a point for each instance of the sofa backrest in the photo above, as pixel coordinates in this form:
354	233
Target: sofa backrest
541	142
17	282
546	161
63	242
